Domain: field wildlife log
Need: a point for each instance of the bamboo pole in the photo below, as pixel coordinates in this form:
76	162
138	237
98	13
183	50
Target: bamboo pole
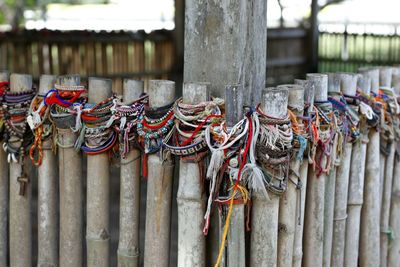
20	226
298	237
190	198
235	249
71	191
385	80
394	248
159	188
4	76
98	190
128	246
369	235
330	183
288	202
356	188
348	85
264	224
47	195
314	221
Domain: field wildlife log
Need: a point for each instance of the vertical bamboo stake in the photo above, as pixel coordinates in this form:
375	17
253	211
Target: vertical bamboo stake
348	84
235	241
98	190
3	196
128	246
314	220
369	250
20	206
298	236
264	224
356	188
288	202
394	247
191	205
385	80
47	195
330	182
159	188
71	192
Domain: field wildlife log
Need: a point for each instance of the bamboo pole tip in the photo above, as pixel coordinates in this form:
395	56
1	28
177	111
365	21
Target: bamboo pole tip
320	84
296	95
233	103
274	101
69	80
46	83
373	74
195	92
396	83
20	82
132	89
99	89
348	83
4	75
385	76
364	83
333	82
161	92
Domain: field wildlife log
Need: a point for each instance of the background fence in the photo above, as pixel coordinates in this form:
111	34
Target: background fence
348	47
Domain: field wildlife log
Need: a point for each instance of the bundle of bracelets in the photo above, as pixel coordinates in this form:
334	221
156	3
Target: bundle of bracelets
16	137
324	119
274	148
125	118
96	136
187	138
232	159
65	104
3	89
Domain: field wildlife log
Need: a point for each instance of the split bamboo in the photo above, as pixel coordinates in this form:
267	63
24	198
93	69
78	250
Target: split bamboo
348	86
128	246
190	197
98	190
356	188
47	195
288	202
4	77
394	248
298	236
314	212
385	80
20	225
235	249
159	188
370	230
264	223
71	191
330	183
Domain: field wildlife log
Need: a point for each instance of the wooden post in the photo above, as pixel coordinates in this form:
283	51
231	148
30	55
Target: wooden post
71	192
159	188
220	49
314	212
20	226
98	190
191	201
330	182
394	247
128	246
298	236
385	80
4	76
348	85
47	195
264	223
288	203
370	230
356	188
